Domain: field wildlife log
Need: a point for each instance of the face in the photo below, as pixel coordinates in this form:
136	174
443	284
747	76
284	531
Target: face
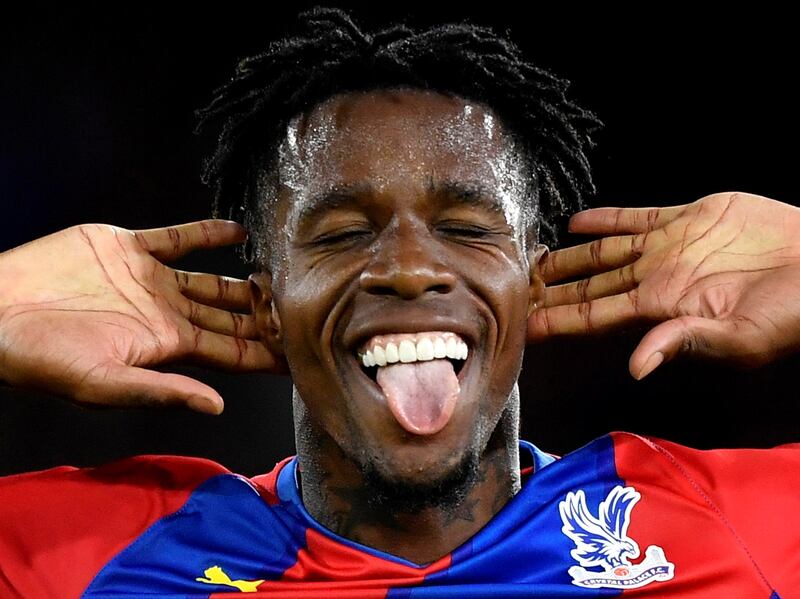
401	214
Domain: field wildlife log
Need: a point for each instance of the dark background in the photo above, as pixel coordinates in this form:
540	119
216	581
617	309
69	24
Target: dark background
96	118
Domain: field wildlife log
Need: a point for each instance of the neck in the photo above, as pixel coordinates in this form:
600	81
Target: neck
337	495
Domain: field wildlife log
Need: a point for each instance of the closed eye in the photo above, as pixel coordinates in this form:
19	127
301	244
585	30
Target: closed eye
341	236
465	231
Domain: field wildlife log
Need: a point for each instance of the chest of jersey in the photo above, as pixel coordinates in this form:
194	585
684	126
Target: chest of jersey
577	529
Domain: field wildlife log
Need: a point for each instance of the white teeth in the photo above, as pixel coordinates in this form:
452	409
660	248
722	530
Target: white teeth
452	349
430	346
392	355
424	349
379	356
407	351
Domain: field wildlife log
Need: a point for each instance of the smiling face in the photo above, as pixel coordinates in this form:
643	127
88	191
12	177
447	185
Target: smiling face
401	217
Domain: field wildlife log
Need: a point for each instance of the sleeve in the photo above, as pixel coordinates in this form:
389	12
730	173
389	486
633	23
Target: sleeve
756	493
59	527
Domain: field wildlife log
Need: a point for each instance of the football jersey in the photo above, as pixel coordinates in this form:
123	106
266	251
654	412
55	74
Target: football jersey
624	515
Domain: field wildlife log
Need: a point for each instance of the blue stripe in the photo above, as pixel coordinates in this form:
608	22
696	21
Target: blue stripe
289	493
226	523
522	551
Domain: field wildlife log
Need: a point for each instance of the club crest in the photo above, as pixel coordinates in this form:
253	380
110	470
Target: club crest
603	542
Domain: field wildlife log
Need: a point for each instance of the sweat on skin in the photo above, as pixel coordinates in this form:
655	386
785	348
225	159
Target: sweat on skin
401	213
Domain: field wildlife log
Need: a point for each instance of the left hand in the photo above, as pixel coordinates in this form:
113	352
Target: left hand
720	276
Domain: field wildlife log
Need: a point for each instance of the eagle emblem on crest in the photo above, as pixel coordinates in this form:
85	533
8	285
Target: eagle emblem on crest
602	541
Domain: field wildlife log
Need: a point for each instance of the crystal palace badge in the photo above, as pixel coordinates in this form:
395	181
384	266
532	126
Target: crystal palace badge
603	542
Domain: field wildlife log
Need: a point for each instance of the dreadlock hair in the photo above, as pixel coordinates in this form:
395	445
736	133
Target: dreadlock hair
328	54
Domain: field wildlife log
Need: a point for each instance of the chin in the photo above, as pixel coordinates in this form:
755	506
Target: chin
411	487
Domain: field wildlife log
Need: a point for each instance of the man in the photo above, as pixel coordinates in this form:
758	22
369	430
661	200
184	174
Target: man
394	215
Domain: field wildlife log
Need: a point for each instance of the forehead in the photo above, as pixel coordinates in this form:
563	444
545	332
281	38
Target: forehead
398	141
350	134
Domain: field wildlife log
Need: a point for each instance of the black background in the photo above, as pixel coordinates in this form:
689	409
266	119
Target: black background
96	118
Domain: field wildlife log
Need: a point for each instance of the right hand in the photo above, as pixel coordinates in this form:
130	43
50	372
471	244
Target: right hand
718	278
84	311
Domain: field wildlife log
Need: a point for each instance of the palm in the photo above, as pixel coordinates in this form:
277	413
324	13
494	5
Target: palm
101	307
721	274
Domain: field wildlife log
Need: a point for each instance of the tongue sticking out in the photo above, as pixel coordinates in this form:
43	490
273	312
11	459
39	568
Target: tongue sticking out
421	395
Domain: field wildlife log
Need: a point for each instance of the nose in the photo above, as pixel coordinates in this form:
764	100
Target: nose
407	264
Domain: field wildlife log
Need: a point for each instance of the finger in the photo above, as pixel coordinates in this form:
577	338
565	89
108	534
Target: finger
592	257
602	285
170	243
214	290
616	221
693	336
588	318
220	321
233	354
133	386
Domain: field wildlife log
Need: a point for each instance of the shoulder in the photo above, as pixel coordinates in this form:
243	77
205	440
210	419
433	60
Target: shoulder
150	473
128	493
633	450
752	495
67	521
742	482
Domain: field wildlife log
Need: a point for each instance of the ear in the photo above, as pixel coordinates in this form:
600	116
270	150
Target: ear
536	288
268	321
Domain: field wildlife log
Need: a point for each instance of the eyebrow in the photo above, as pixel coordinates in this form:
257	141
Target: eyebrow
336	197
472	193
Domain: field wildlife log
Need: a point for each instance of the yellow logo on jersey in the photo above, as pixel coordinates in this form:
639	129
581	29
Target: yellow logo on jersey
216	575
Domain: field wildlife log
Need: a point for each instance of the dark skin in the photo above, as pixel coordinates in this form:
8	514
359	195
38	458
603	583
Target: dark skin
407	255
717	278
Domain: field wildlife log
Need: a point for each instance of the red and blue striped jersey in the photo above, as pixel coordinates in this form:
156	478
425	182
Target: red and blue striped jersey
623	515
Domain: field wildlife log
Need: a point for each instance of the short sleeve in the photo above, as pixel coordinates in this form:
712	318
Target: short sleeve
58	527
756	493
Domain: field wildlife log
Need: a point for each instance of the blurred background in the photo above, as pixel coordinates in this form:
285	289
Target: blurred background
96	119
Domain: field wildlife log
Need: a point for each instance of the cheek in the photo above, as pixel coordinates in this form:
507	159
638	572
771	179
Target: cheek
311	294
310	306
504	282
505	294
301	307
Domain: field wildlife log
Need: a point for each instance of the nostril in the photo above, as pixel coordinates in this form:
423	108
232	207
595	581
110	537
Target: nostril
386	290
407	277
381	290
441	288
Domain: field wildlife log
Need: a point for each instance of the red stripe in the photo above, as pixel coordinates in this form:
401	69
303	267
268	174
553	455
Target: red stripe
711	513
329	569
61	526
267	483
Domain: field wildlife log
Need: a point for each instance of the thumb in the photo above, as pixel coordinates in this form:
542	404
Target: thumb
134	386
689	335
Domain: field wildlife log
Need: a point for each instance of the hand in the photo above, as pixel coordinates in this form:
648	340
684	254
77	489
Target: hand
721	275
84	311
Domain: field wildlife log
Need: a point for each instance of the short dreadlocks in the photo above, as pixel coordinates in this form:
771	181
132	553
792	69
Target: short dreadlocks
329	54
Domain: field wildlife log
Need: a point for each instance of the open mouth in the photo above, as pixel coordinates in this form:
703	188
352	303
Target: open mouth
372	371
419	376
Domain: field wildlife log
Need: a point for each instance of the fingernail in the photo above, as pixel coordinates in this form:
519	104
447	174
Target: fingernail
204	405
650	365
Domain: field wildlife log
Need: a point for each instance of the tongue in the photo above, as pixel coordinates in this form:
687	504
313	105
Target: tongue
421	395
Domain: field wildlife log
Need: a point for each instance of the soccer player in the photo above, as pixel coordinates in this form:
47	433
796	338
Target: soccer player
397	188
